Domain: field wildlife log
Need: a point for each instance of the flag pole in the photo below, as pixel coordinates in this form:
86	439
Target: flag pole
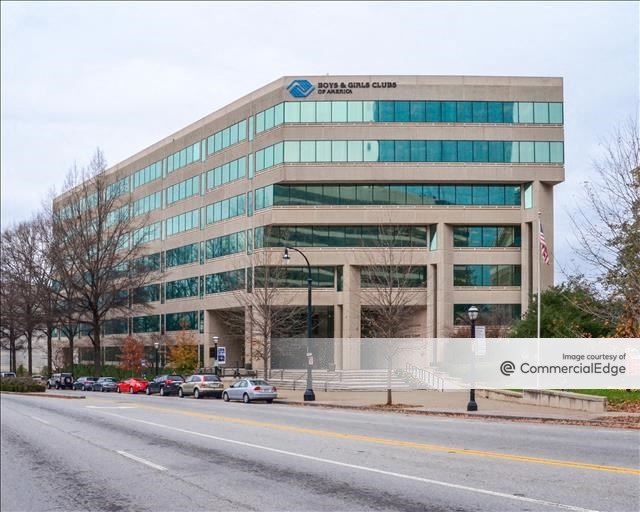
538	257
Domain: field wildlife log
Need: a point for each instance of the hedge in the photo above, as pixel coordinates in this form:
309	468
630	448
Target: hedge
21	385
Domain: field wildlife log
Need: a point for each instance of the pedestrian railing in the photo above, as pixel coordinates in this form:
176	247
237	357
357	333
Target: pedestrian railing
425	376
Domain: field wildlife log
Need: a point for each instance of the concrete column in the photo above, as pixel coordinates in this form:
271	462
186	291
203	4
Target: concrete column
351	318
337	335
526	268
444	280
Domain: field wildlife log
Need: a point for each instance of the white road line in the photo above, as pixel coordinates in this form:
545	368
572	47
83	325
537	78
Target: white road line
142	461
364	468
40	420
110	406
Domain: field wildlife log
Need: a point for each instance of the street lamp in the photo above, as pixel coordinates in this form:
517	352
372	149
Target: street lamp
473	316
309	395
156	345
215	354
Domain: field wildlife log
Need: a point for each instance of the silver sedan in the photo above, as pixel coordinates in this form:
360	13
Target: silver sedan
249	390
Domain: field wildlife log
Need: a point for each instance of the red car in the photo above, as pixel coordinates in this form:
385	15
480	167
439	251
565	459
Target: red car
132	385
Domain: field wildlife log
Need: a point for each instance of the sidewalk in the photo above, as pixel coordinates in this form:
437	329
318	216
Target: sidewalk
454	403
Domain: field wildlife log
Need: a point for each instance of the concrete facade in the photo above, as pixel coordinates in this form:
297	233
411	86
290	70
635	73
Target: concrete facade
436	301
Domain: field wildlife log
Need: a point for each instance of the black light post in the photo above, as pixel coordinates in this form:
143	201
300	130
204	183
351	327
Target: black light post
309	395
215	354
156	345
473	316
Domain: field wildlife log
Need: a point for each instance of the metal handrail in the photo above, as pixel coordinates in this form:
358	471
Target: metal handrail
424	375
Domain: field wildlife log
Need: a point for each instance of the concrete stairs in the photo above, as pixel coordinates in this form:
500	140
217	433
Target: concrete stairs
339	380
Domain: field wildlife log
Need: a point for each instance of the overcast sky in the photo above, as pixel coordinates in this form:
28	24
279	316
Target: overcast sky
123	75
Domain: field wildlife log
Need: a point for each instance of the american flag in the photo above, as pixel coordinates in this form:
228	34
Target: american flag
544	250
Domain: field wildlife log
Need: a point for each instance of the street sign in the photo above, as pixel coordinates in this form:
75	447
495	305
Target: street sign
480	345
222	355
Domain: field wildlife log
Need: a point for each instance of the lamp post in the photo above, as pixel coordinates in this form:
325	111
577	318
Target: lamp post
309	395
156	345
215	354
473	316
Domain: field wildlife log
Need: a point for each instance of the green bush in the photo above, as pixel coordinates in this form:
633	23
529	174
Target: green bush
21	385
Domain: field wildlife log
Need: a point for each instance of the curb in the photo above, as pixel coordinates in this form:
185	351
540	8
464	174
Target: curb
64	397
602	422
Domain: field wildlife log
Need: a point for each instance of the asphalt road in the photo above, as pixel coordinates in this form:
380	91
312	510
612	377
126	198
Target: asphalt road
119	452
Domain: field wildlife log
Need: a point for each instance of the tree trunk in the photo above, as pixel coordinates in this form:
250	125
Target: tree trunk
97	361
71	353
12	356
389	367
29	354
50	352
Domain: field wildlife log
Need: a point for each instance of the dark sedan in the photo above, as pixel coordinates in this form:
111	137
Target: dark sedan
105	384
85	383
165	385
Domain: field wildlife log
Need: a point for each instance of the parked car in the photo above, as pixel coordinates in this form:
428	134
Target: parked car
165	385
248	390
85	383
200	385
132	385
60	381
39	379
7	375
104	384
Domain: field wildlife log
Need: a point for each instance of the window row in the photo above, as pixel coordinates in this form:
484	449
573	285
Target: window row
226	209
374	194
183	222
228	137
341	236
293	277
148	233
184	189
489	314
187	320
410	112
118	215
486	236
182	288
486	275
226	173
150	323
393	276
149	293
225	281
225	245
183	157
118	188
185	255
148	174
146	263
147	204
466	151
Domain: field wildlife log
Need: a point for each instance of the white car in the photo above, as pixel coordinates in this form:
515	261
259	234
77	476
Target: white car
249	390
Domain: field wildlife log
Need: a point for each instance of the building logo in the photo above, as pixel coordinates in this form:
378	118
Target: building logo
300	88
507	368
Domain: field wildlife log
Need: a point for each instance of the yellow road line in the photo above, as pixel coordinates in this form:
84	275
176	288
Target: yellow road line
396	442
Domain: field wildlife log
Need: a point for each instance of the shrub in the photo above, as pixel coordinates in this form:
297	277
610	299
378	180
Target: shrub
21	385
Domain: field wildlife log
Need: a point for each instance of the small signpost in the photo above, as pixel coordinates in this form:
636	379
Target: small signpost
221	356
480	343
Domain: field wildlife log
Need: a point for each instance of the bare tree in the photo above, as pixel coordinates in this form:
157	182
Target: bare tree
264	308
390	289
11	335
20	272
607	223
96	241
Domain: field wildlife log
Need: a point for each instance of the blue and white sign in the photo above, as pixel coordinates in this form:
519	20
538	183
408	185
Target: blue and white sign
300	88
222	355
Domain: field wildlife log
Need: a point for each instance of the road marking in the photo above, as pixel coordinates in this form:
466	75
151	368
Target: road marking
110	407
40	420
440	483
404	444
141	460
